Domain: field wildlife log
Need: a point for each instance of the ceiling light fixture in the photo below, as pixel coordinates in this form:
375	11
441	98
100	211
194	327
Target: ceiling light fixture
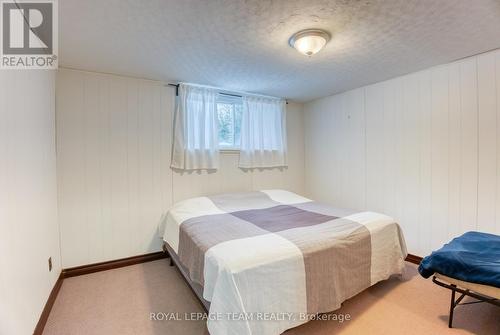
309	41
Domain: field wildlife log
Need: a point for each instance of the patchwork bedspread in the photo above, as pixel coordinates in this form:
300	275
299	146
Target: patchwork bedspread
269	260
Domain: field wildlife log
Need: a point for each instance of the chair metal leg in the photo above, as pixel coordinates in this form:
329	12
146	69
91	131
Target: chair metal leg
464	293
452	307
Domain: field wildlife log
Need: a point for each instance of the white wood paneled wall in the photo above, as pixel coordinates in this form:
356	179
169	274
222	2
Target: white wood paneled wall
114	180
29	234
423	148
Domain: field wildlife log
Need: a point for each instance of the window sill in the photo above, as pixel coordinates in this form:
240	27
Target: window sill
229	151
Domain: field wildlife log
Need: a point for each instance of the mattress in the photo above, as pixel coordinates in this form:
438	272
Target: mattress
271	260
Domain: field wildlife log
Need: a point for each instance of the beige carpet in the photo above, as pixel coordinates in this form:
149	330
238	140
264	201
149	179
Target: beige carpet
120	302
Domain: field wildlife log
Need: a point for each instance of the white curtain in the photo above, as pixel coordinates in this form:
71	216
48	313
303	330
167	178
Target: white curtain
263	133
196	144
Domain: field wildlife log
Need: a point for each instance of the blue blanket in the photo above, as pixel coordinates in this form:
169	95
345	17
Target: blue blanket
473	257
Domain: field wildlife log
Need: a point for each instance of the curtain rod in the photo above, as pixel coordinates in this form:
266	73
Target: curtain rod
221	93
176	88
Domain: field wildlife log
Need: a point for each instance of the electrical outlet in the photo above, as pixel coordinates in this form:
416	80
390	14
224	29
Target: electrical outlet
50	264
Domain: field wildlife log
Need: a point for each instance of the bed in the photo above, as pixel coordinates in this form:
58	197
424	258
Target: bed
266	261
469	265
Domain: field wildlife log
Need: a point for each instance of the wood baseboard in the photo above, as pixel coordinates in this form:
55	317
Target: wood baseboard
118	263
413	259
86	269
48	306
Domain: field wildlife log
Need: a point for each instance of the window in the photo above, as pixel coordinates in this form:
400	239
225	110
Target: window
229	110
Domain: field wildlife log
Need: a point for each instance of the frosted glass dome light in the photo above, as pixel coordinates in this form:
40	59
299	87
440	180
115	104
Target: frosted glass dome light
309	41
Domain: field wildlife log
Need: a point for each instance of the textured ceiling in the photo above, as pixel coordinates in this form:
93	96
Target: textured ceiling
243	44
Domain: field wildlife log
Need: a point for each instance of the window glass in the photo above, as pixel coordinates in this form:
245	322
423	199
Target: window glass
229	110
